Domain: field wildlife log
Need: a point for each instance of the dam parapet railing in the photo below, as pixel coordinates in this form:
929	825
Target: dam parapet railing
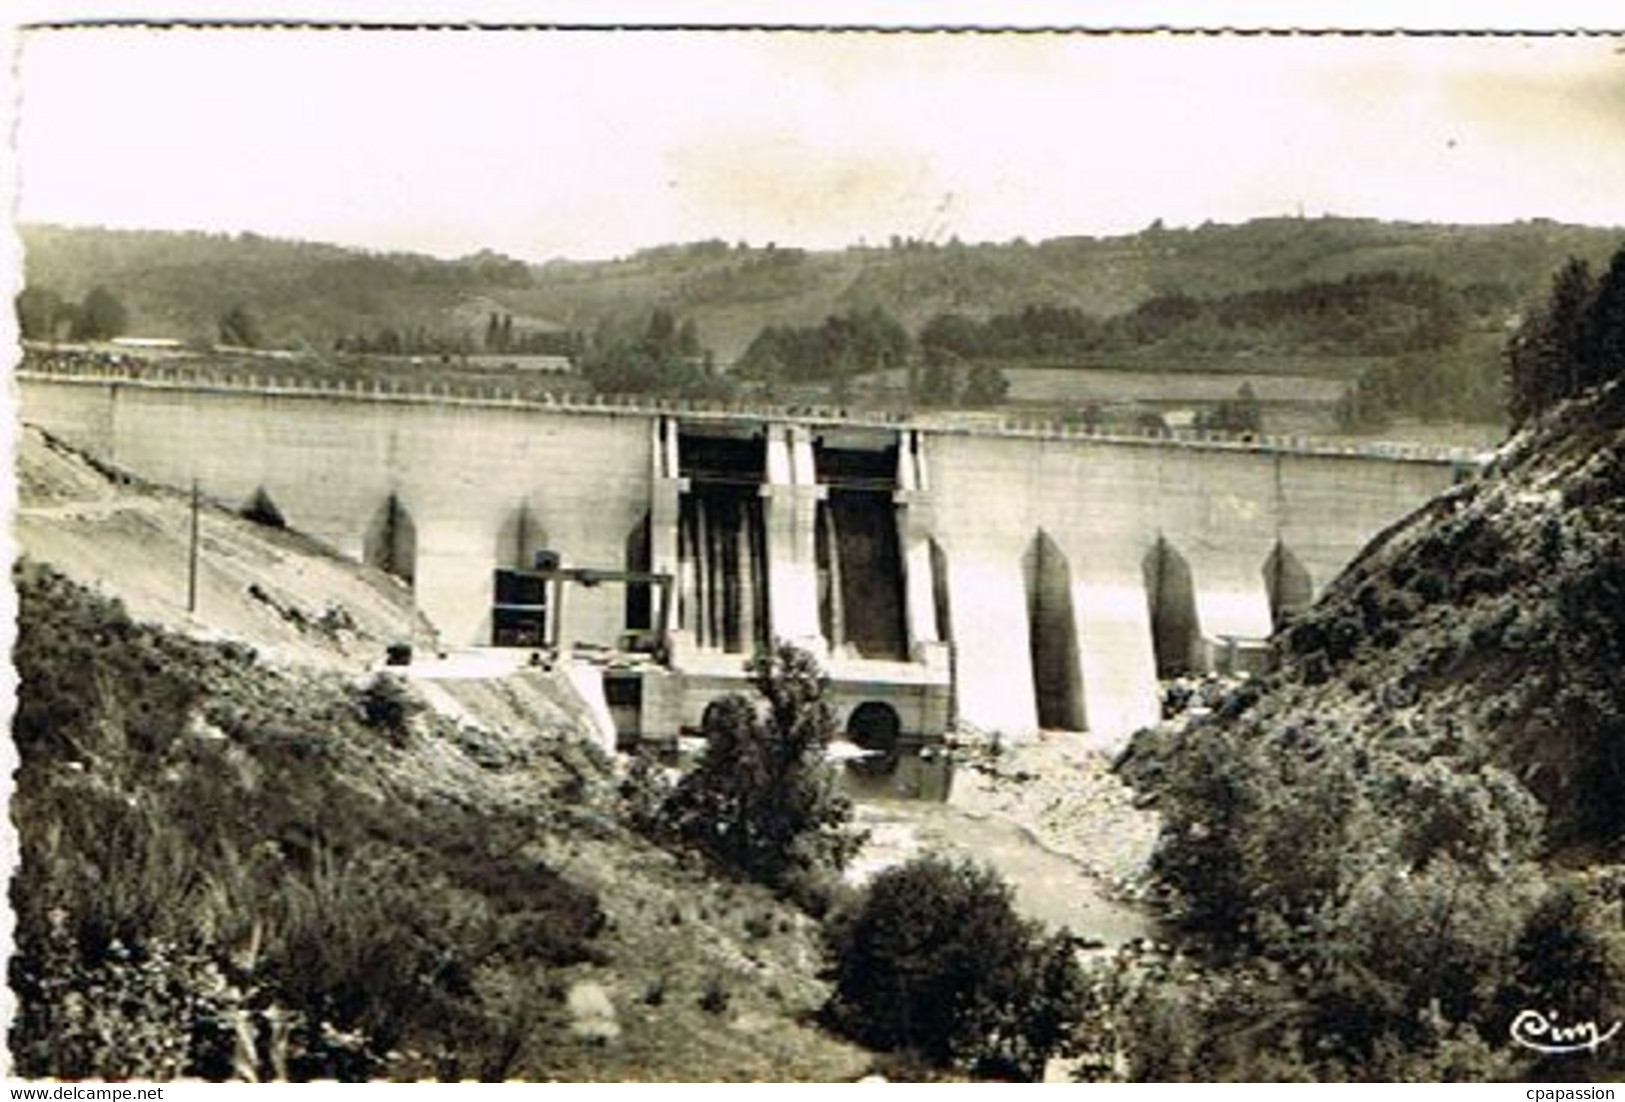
161	377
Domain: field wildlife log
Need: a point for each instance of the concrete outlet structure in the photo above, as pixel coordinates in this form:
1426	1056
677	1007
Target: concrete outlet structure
1011	577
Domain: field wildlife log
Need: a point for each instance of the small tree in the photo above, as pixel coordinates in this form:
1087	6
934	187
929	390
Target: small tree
100	317
763	801
655	360
987	386
1574	341
660	335
1543	358
939	387
40	313
688	339
387	705
1570	957
934	960
1241	414
1602	332
239	328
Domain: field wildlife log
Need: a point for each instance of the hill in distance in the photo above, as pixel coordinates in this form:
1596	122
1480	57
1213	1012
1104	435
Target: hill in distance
306	294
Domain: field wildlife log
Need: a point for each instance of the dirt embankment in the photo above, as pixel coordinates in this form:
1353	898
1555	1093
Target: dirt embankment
277	590
468	826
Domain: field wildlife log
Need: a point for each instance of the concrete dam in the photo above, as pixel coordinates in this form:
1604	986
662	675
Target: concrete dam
1010	576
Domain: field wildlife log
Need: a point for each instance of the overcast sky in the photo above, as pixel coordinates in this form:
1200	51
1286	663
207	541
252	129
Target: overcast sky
593	144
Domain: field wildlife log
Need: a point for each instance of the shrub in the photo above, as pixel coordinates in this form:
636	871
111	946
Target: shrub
387	705
195	899
644	792
1157	1019
762	801
1383	875
933	959
1438	937
150	1013
1152	1018
1570	957
715	998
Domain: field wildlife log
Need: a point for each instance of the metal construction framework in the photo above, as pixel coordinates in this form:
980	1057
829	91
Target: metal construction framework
555	582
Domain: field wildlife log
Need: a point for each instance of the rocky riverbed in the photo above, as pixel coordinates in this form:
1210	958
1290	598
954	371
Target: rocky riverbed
1049	815
1063	792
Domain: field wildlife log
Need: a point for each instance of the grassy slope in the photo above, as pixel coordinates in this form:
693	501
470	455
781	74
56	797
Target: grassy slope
1497	615
205	832
1411	831
1489	624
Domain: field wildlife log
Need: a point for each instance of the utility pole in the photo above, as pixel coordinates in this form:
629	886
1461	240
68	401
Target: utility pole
191	558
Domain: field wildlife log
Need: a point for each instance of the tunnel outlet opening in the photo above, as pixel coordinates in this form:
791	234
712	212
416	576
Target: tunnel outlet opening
859	549
1052	636
875	726
722	586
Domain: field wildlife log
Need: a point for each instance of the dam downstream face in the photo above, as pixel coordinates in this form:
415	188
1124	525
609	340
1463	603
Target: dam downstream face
860	563
1008	576
860	574
722	578
722	570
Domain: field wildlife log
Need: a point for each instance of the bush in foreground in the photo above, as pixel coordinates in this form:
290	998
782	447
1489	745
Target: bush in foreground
934	960
207	889
762	801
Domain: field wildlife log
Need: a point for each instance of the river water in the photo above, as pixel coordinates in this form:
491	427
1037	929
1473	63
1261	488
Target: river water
1048	887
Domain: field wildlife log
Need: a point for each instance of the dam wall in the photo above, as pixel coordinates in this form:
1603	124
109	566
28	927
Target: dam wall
1151	542
467	488
1039	578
